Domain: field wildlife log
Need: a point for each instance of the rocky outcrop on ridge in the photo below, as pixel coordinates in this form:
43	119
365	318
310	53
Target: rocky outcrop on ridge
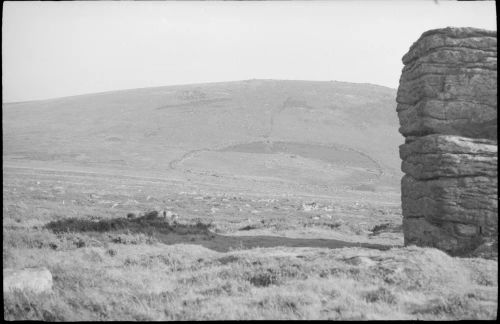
447	107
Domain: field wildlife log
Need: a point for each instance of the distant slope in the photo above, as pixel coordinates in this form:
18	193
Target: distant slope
158	128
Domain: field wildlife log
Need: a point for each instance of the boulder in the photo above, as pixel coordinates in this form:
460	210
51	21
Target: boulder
449	84
37	280
447	107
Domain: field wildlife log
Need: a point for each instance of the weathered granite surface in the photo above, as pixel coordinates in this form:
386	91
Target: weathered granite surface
435	156
447	107
449	84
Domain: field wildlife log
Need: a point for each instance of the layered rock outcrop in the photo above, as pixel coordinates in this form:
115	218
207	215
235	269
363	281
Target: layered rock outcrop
447	107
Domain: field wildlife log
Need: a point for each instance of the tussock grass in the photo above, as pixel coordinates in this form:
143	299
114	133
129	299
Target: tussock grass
112	267
382	295
186	282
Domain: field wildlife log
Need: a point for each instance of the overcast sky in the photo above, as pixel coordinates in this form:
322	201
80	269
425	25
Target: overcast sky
55	49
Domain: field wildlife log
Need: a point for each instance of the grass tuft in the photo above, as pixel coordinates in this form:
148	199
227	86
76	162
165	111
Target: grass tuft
380	295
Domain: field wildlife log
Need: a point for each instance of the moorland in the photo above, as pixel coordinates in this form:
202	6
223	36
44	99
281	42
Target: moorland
286	196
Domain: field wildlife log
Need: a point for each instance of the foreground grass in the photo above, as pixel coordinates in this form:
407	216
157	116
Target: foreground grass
106	267
189	282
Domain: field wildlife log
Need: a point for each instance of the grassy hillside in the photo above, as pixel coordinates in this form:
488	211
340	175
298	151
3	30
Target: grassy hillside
287	204
189	131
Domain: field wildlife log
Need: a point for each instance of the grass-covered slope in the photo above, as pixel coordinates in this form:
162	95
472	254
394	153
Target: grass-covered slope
159	129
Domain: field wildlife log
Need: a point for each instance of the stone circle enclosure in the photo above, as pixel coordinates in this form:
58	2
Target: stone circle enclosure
447	108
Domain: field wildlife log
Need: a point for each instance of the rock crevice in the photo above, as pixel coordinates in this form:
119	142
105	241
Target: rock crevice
447	107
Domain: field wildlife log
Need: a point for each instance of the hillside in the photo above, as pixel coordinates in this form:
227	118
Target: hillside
280	200
290	133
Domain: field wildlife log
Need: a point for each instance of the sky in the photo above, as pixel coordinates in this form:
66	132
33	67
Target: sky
57	49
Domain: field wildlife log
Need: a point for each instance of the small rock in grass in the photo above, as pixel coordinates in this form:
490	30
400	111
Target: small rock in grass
168	215
36	279
360	261
307	207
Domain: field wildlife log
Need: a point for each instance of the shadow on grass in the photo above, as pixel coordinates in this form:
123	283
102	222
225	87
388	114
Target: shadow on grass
145	225
199	233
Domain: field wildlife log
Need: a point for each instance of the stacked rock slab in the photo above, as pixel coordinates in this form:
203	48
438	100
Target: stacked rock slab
447	107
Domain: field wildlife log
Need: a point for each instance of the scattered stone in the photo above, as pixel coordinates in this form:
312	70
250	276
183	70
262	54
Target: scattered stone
131	202
36	279
94	218
58	189
360	261
308	207
170	216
